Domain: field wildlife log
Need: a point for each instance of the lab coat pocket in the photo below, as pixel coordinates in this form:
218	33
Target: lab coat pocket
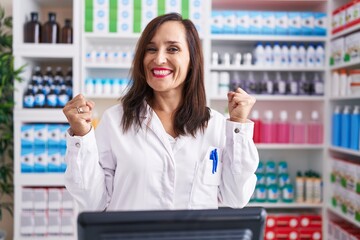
204	193
213	166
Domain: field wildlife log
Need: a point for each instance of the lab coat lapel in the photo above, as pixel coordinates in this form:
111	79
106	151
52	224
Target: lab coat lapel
153	123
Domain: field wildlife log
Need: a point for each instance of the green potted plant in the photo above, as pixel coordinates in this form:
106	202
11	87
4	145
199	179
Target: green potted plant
7	77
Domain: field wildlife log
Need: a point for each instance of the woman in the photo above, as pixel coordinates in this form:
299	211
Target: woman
161	147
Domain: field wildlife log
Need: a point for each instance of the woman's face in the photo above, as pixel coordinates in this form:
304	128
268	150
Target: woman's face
167	58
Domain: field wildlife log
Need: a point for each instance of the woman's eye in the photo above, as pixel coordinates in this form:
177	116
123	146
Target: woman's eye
173	49
151	49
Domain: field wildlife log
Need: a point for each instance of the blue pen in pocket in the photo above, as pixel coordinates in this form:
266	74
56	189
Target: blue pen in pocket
214	158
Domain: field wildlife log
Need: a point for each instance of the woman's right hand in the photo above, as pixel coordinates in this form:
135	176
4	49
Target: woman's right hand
78	112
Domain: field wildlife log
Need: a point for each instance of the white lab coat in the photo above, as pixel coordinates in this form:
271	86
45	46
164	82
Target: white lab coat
141	170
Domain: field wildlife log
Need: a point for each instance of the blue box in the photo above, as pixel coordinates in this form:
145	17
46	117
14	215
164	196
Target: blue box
307	23
40	135
229	19
320	24
294	23
281	23
27	136
217	22
27	160
268	19
242	22
256	23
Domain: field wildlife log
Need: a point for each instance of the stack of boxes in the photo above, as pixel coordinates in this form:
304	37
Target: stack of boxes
43	147
125	16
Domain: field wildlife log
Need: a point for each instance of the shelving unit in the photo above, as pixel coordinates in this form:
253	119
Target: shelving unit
334	152
43	55
299	156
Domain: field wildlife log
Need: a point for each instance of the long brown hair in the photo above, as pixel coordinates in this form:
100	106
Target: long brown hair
192	114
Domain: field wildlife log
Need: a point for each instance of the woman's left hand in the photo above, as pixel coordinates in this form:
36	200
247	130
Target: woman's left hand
239	105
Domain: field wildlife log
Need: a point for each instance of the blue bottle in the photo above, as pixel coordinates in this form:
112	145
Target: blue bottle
336	127
355	128
345	127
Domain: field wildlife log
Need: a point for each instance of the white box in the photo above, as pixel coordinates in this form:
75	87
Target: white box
40	199
54	135
27	160
337	50
40	222
63	131
67	201
40	159
40	135
281	23
27	199
54	223
53	160
268	19
217	22
125	16
27	224
307	23
54	199
173	6
27	135
294	23
229	22
256	22
67	223
320	24
148	12
352	46
242	22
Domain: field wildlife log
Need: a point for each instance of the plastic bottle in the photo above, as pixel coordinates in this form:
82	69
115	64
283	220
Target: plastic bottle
310	56
315	129
255	117
317	189
298	129
39	100
268	128
36	77
345	127
283	128
335	79
268	55
319	56
284	55
294	56
69	82
343	82
52	98
309	187
253	86
63	98
51	30
67	32
259	54
301	55
277	55
48	77
318	84
280	84
304	85
267	84
59	77
293	84
355	128
300	185
32	29
29	98
336	127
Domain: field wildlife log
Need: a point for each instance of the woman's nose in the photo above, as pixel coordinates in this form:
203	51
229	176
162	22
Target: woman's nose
160	58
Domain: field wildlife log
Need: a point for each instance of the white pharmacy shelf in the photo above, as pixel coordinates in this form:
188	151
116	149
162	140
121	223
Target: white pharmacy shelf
345	150
282	205
267	38
266	68
102	36
40	115
289	146
264	97
39	179
345	31
107	65
342	215
43	50
350	97
351	64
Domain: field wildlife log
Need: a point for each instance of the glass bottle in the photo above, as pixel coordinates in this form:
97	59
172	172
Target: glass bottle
32	29
67	32
51	30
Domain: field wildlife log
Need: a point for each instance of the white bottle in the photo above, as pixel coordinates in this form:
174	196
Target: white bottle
268	55
302	55
284	55
310	56
281	84
294	56
268	83
319	56
343	82
259	54
224	83
277	55
335	78
294	85
318	85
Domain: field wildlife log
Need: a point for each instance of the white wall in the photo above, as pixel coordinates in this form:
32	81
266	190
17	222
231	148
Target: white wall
7	220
